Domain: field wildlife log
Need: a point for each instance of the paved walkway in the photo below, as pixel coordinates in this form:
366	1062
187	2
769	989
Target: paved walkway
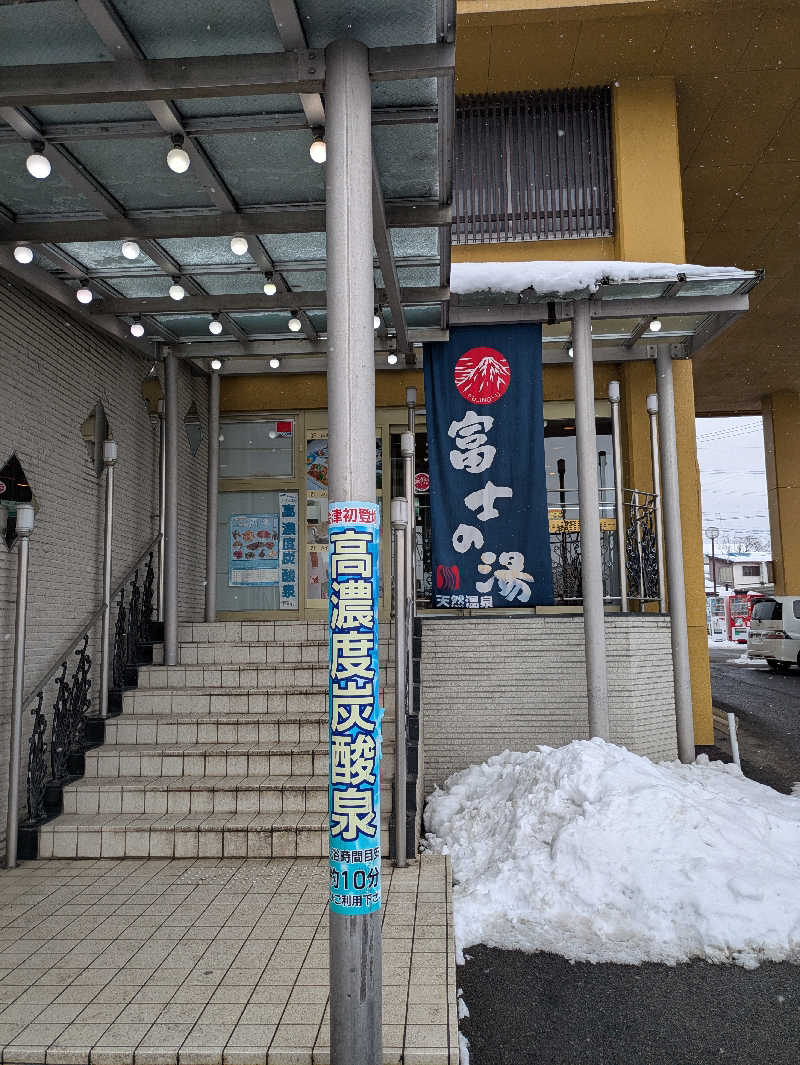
209	962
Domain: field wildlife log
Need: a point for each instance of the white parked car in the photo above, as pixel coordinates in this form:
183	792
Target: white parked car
775	632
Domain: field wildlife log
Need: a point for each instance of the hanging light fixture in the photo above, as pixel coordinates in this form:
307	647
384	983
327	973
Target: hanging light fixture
37	163
130	249
177	157
176	290
215	325
655	325
270	288
295	325
391	359
274	363
571	353
84	293
137	329
216	364
239	245
317	150
23	254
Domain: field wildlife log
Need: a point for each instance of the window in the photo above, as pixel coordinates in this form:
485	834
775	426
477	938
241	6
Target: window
533	166
767	610
751	571
796	608
257	448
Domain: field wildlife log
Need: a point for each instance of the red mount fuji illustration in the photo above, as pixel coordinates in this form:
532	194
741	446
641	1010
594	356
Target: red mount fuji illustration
482	375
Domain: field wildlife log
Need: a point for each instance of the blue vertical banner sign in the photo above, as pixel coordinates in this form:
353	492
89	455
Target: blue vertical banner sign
483	403
354	785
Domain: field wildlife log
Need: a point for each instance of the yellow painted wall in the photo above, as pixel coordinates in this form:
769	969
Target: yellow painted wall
781	413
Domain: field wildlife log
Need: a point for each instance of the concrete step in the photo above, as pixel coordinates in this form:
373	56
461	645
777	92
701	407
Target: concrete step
266	678
235	760
311	652
199	795
131	728
252	835
262	631
292	702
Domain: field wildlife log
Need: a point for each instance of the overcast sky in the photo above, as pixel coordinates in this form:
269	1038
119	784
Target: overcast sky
730	452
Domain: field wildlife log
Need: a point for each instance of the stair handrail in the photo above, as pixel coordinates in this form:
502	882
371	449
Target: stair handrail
87	623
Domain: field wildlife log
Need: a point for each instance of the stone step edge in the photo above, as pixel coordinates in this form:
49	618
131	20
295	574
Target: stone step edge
306	782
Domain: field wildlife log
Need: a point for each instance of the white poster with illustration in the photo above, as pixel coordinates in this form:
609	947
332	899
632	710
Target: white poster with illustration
253	554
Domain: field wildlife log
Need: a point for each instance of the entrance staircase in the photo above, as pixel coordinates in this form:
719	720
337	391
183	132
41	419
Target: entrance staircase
224	755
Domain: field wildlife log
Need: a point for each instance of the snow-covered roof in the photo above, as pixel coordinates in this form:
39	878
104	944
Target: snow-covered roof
558	279
721	555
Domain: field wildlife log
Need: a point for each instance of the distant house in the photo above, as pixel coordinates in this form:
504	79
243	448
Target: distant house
738	570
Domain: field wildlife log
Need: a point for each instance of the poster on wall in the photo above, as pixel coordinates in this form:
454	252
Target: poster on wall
491	541
253	550
317	464
287	502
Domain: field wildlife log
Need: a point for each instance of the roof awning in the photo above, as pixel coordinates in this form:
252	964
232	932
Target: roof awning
106	88
633	305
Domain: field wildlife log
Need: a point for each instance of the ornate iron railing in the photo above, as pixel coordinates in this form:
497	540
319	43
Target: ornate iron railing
54	762
641	546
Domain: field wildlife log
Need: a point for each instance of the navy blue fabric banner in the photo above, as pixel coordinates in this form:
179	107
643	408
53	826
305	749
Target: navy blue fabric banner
483	404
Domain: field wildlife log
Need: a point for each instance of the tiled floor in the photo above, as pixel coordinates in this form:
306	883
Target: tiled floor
209	962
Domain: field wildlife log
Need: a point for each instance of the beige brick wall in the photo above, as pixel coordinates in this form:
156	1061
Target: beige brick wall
504	682
54	370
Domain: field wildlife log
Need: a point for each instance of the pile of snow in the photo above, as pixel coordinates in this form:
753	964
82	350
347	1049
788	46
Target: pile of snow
564	277
728	645
598	854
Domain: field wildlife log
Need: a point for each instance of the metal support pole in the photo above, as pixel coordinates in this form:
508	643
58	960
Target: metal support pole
24	529
212	502
171	509
401	598
619	492
652	410
409	471
162	502
407	452
109	461
355	941
589	514
674	547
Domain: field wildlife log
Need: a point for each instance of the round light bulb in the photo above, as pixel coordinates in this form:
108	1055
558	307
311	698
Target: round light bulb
215	327
84	294
318	151
176	291
216	364
38	165
655	325
137	329
272	434
178	160
23	254
270	288
130	249
274	363
391	359
377	321
571	353
295	325
239	245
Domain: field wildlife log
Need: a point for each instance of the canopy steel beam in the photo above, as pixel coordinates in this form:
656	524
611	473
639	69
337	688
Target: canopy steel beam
467	314
213	126
203	303
280	218
201	77
245	269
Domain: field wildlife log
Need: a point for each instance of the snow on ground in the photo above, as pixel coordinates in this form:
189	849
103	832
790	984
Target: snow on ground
559	277
745	660
597	854
728	645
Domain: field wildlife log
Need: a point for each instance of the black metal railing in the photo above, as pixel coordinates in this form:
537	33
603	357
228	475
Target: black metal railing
56	761
565	545
641	546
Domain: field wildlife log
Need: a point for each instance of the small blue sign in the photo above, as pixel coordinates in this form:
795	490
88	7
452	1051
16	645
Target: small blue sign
354	786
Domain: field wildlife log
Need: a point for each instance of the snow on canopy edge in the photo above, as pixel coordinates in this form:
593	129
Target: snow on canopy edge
564	277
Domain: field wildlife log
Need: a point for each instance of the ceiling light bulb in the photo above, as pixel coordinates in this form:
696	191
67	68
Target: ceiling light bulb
239	245
137	329
176	291
391	359
177	157
269	286
37	163
274	363
655	325
130	249
216	364
215	326
318	151
23	254
295	325
377	321
84	293
571	353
